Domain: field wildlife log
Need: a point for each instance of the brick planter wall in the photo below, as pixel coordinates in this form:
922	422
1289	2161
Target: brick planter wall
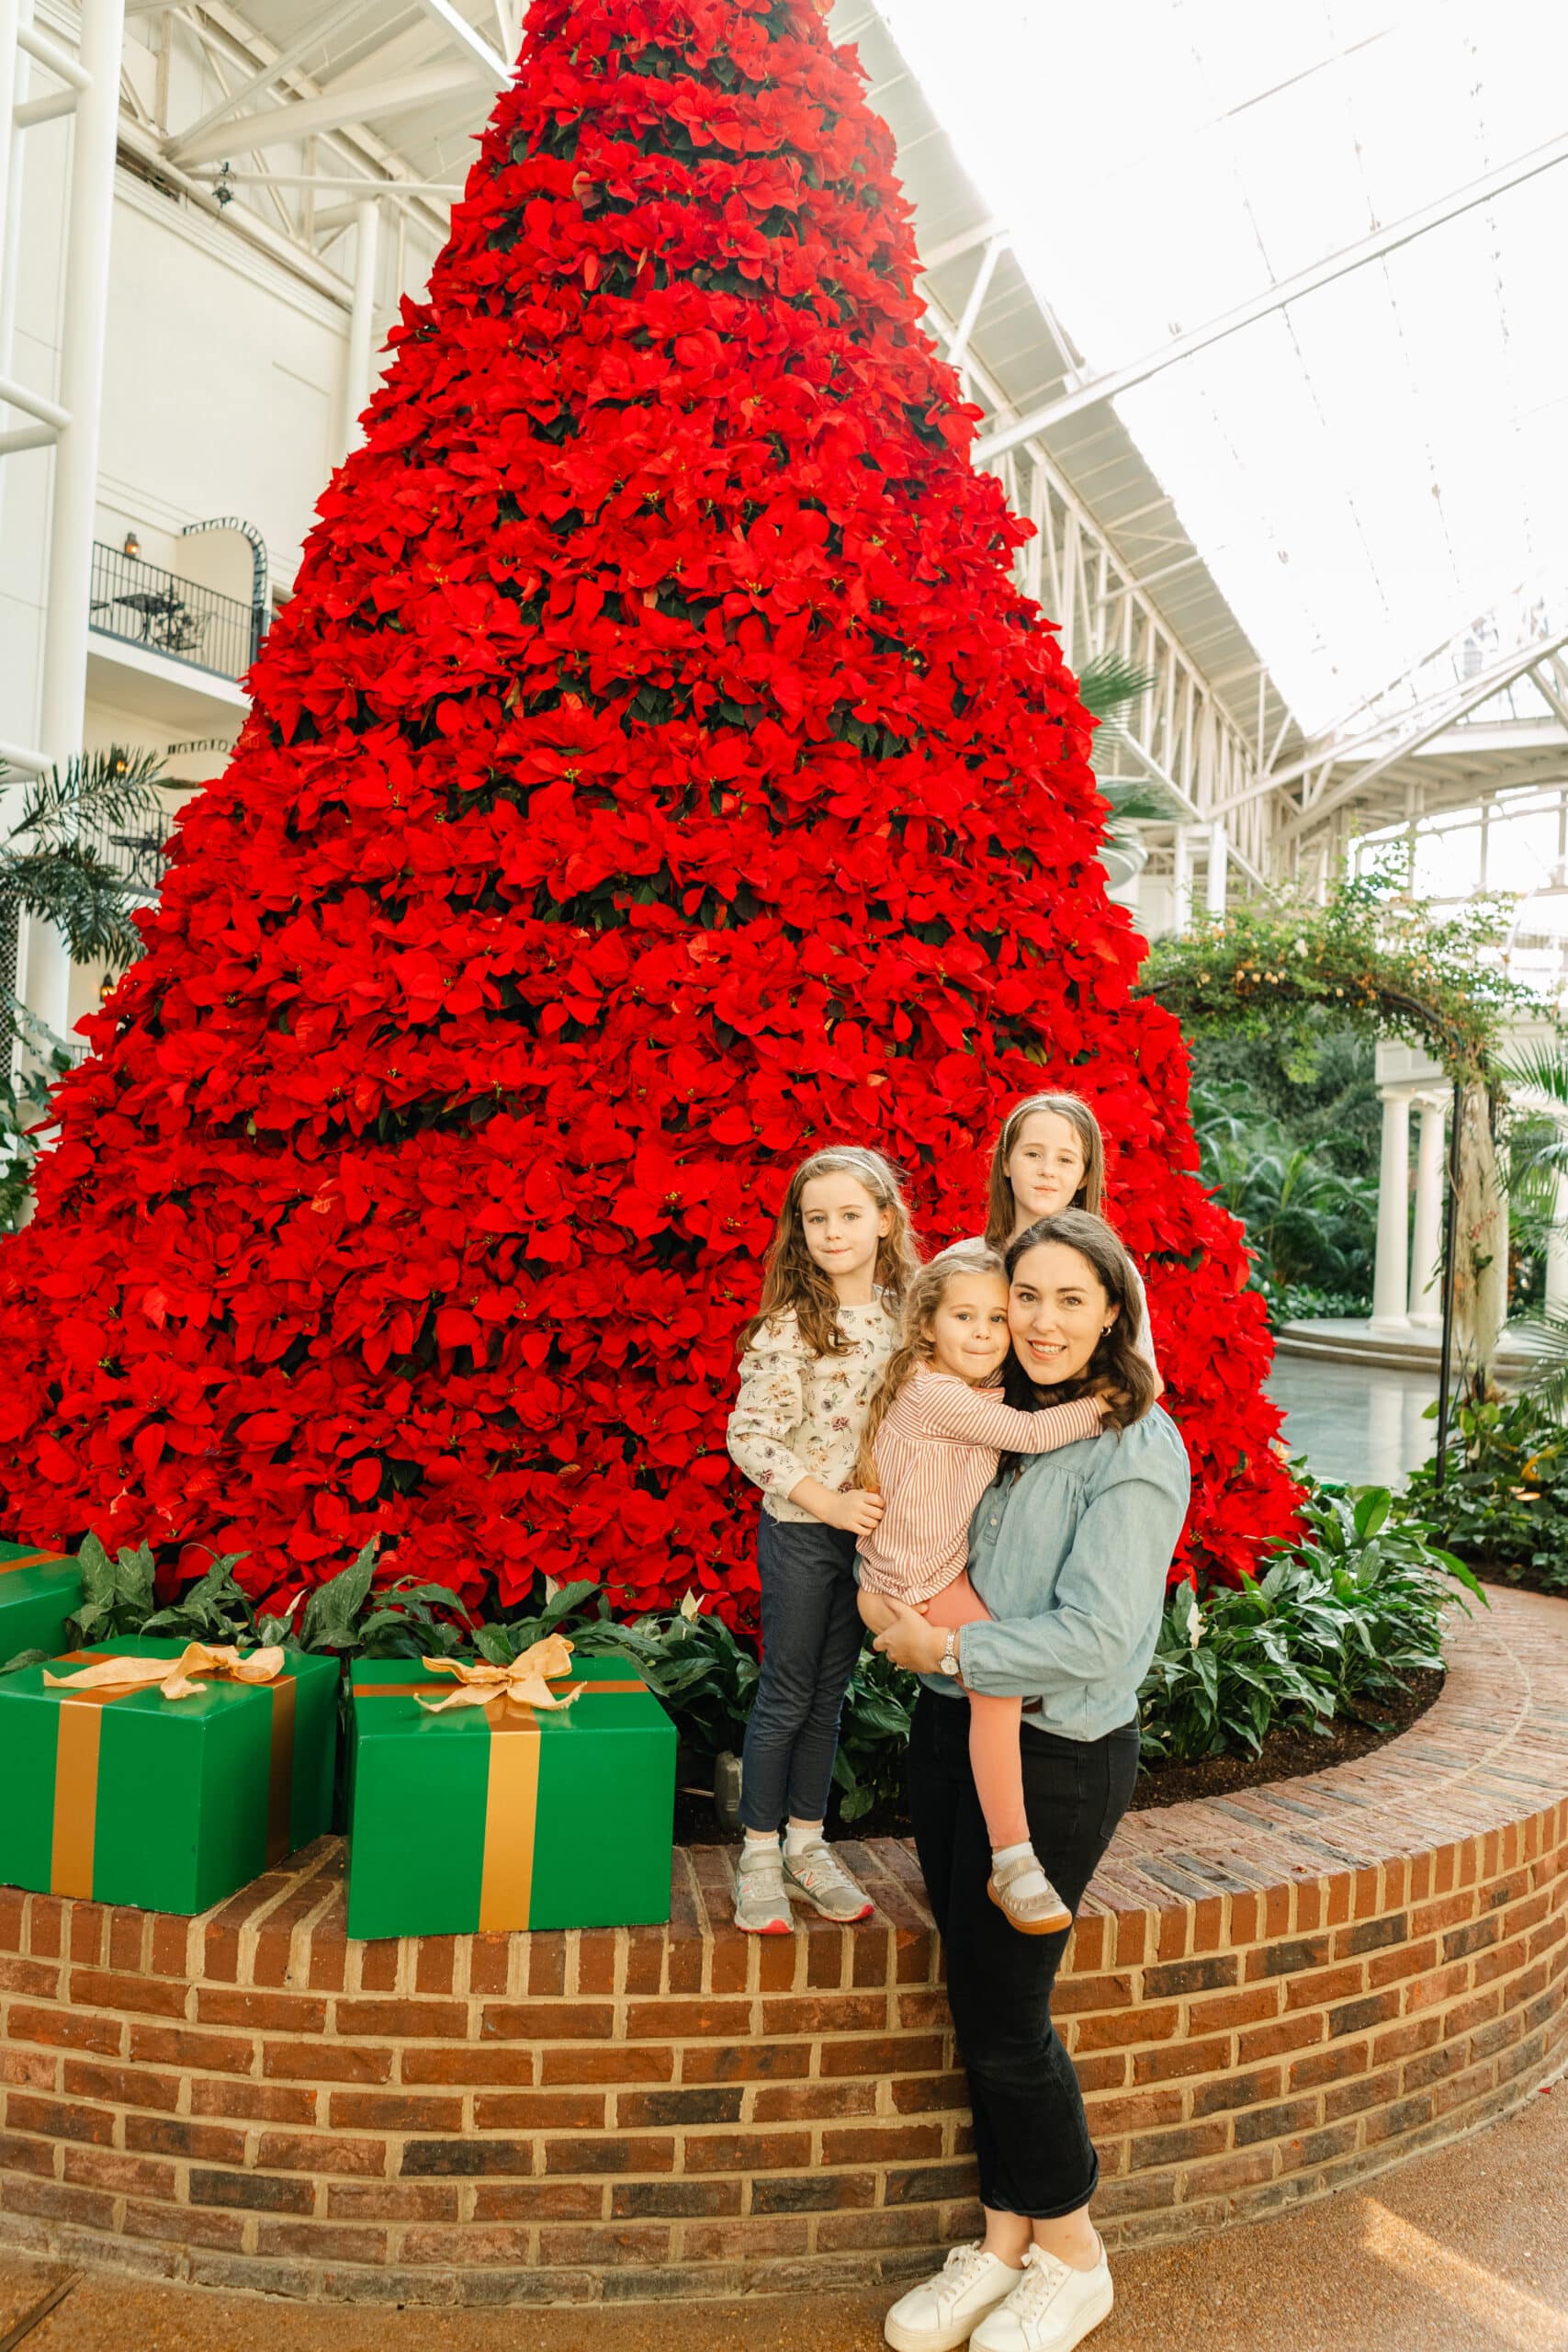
1267	1995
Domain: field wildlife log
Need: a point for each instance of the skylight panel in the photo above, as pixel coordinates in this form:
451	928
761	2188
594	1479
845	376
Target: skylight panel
1366	470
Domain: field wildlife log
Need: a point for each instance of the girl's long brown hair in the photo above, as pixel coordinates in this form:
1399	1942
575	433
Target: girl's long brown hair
793	1284
1128	1379
1001	1209
921	1300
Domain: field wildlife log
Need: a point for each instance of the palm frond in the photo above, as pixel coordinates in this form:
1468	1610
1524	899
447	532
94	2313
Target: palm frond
114	789
69	885
1547	1378
1108	682
1538	1069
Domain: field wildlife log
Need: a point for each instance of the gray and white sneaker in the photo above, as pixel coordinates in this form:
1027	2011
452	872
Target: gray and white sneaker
817	1874
1052	2309
762	1899
942	2312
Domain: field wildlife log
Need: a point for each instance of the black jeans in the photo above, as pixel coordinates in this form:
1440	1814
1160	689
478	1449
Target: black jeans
1030	2133
811	1638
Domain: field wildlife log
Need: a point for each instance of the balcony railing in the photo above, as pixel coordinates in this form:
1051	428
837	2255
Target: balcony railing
180	619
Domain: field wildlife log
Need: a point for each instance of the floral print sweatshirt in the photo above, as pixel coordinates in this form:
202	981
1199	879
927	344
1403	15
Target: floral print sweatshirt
800	1415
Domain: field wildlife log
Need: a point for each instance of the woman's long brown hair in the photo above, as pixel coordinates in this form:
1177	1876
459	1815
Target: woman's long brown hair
921	1300
793	1285
1128	1379
1001	1209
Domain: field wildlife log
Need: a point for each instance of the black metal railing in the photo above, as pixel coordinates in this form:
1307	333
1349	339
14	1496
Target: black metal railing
136	857
146	605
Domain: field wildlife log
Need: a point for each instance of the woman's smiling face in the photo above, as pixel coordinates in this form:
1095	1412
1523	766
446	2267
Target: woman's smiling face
1058	1310
1045	1167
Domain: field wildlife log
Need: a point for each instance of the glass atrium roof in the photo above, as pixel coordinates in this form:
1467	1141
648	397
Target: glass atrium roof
1377	465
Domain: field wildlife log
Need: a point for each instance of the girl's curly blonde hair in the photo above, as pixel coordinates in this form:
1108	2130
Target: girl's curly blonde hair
793	1285
921	1301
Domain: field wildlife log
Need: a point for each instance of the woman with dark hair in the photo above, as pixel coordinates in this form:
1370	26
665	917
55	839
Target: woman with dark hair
1069	1552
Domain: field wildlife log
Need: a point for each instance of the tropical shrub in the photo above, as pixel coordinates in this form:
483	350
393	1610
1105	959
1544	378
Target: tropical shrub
1334	1624
1306	1222
1504	1497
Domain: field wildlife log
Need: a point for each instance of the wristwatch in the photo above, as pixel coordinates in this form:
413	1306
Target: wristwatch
948	1662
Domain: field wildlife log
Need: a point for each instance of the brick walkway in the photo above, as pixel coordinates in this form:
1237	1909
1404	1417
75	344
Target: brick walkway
1269	1995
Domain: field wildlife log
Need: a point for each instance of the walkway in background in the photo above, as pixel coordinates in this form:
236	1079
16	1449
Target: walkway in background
1360	1422
1466	2251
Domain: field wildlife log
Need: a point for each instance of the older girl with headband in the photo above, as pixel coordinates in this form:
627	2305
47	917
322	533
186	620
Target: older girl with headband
841	1258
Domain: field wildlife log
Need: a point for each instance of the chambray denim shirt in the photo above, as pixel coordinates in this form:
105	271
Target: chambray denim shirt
1071	1555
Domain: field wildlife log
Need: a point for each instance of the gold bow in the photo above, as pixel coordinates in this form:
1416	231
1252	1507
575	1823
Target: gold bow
526	1680
175	1677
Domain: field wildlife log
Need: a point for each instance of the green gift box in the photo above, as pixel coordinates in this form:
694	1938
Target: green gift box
39	1591
171	1805
508	1815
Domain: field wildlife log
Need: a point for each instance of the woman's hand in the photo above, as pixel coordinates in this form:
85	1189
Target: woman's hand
912	1642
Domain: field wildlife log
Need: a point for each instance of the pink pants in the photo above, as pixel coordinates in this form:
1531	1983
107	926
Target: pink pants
994	1727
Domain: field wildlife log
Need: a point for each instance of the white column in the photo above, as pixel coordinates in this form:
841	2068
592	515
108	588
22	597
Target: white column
1557	1254
1181	880
14	81
1218	852
85	306
1427	1247
362	316
1389	1303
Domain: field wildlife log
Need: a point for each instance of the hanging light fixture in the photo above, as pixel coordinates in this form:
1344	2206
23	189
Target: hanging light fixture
132	546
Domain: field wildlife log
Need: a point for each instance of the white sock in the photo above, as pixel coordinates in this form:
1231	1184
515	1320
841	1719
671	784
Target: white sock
796	1839
1030	1881
758	1842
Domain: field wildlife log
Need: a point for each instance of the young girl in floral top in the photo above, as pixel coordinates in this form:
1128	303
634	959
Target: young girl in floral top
934	1437
840	1260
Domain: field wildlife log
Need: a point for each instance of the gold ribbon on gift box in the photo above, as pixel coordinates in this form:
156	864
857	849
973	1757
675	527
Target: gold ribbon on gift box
103	1680
38	1560
511	1697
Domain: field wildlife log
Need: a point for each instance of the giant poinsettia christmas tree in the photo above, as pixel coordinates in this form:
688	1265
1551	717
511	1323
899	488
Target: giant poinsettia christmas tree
656	775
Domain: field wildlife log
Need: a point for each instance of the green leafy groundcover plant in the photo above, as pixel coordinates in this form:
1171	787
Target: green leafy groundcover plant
1504	1499
1337	1619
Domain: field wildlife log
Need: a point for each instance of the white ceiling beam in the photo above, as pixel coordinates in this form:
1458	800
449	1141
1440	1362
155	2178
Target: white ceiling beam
361	187
955	247
1479	690
176	146
472	44
1549	686
1289	289
977	293
247	134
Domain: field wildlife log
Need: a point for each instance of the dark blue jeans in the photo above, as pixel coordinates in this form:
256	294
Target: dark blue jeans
1032	2141
811	1638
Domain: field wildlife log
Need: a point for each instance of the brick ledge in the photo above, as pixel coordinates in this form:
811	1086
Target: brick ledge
1267	1995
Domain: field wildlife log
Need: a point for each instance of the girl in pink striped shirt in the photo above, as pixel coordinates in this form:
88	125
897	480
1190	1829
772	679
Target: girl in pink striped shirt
934	1433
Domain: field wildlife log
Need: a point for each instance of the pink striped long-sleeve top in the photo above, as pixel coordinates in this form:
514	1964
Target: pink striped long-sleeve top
936	1453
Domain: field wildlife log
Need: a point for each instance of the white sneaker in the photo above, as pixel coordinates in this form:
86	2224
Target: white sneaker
940	2313
1052	2308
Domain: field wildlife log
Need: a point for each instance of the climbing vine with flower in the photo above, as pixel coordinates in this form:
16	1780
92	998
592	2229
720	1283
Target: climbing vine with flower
1373	955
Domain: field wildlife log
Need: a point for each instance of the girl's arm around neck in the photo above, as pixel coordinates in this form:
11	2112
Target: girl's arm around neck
951	1409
